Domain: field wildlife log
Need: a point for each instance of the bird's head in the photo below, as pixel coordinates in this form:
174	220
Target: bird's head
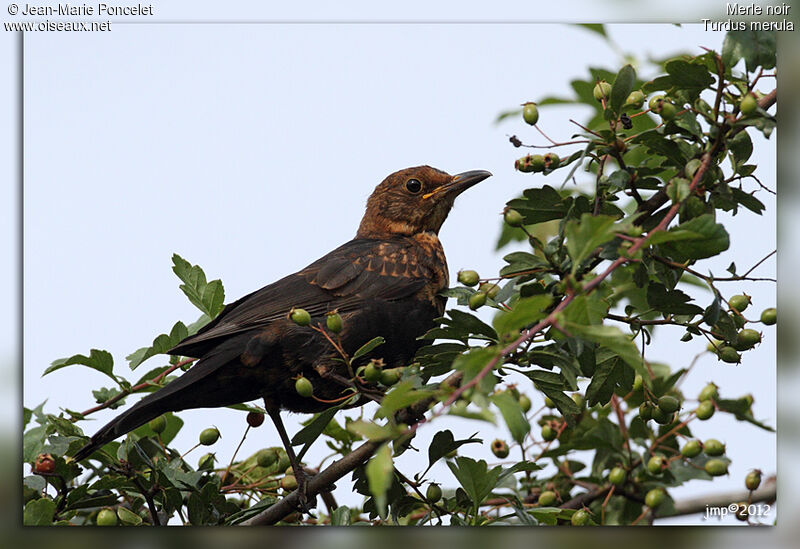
414	200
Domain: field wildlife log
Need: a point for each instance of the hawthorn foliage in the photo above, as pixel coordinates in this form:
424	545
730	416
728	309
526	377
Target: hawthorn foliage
574	308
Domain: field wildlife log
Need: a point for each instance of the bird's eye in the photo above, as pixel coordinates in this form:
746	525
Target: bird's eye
413	186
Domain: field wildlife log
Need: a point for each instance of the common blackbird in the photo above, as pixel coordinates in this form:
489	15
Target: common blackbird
385	282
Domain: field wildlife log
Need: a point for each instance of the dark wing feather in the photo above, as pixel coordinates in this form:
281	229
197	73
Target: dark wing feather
361	270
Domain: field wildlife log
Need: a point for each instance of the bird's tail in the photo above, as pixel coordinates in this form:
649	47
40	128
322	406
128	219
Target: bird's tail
207	384
146	409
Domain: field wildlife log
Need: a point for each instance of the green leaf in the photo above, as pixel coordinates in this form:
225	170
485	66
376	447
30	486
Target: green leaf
615	340
341	516
587	309
206	296
473	361
368	346
757	48
623	85
443	443
698	238
740	409
99	360
526	311
39	512
161	344
315	427
594	27
587	234
661	145
512	413
748	200
461	326
379	472
369	430
670	301
519	262
741	146
475	477
539	205
606	377
128	517
401	396
689	76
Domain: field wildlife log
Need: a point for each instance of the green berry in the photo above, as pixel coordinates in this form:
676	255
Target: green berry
617	476
655	465
206	462
753	480
655	103
549	402
537	162
513	218
530	113
691	449
158	424
669	404
716	467
300	317
289	482
638	383
491	289
524	403
500	448
255	419
635	100
209	436
714	345
739	321
713	447
334	322
769	316
477	300
391	376
106	517
709	392
668	111
741	511
739	302
266	457
547	498
602	90
577	398
728	354
661	417
749	104
654	498
548	433
580	518
691	167
705	410
747	339
372	372
303	387
468	278
524	164
646	411
551	161
434	493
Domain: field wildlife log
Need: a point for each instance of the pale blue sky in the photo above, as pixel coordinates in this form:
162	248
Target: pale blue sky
229	143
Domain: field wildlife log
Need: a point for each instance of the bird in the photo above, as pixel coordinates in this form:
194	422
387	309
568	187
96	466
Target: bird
386	282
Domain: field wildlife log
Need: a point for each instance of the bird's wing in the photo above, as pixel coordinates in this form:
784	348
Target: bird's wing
358	271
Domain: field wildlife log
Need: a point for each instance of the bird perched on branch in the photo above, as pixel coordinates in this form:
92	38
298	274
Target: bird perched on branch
385	282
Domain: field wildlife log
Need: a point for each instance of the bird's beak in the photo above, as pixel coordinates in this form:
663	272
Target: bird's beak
460	183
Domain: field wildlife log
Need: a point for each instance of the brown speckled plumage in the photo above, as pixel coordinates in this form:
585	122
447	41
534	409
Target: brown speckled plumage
385	282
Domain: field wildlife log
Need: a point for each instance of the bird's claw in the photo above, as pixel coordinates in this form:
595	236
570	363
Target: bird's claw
302	492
